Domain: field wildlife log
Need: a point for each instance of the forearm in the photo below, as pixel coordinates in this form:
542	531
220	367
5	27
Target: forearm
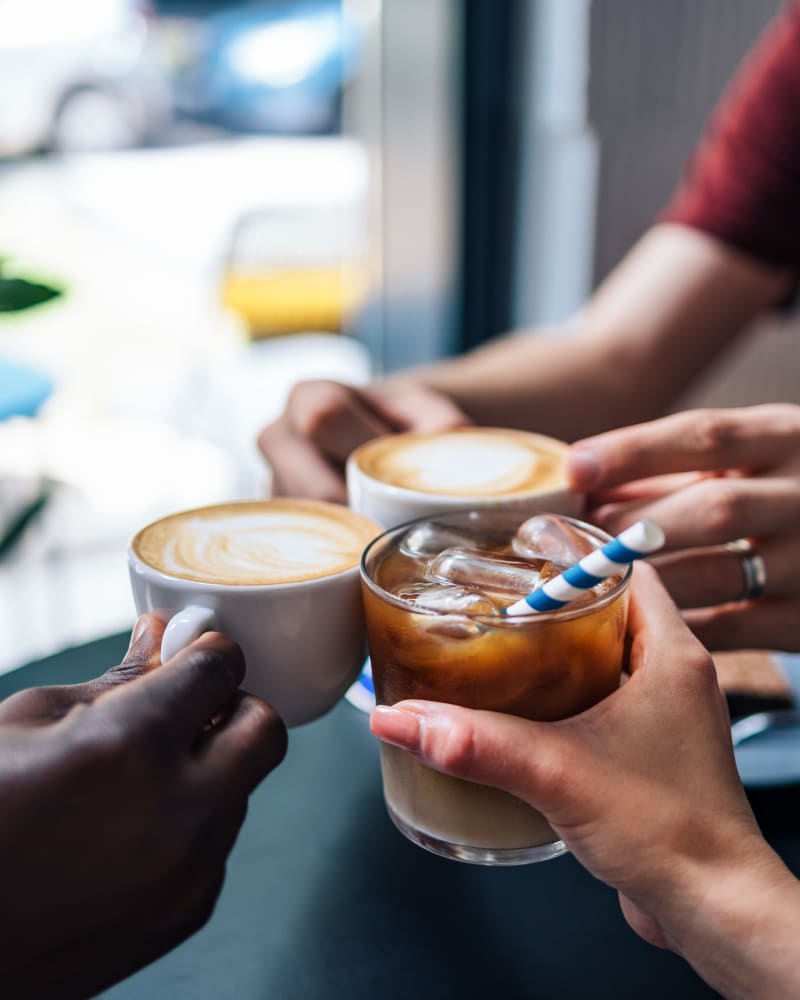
544	383
659	320
738	925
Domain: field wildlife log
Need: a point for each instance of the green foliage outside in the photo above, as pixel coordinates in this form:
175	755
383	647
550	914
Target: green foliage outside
20	293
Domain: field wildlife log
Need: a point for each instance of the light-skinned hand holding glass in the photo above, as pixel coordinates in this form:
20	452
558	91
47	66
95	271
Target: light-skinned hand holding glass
643	789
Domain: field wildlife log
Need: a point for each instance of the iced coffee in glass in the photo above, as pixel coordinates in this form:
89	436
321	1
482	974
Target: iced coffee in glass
434	594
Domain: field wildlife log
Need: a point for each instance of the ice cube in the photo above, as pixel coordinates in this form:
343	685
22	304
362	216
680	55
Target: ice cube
548	537
428	538
447	599
481	571
455	607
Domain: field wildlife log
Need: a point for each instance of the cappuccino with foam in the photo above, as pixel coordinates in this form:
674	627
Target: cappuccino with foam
401	476
255	544
278	576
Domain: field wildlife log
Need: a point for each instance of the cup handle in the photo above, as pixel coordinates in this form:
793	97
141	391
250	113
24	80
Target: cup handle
186	626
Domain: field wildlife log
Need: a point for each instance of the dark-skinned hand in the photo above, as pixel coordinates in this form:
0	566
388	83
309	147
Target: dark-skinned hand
120	800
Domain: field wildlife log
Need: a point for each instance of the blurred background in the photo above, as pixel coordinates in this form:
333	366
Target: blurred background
202	203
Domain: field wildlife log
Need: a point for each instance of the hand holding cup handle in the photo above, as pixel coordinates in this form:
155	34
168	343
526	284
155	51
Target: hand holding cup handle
279	577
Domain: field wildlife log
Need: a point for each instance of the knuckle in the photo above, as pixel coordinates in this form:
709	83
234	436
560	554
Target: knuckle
208	889
699	677
218	657
265	439
198	904
133	666
314	404
548	771
713	431
235	815
452	748
268	730
227	831
204	908
260	745
701	665
100	739
29	704
132	745
274	441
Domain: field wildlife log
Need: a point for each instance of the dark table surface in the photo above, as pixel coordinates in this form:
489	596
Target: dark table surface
325	900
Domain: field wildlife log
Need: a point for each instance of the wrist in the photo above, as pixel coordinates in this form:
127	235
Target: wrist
735	917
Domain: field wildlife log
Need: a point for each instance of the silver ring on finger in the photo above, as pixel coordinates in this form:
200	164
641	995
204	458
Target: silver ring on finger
754	570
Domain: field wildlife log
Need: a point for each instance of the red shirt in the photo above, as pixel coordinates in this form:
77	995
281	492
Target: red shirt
743	182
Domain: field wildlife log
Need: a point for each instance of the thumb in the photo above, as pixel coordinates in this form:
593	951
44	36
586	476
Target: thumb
527	759
143	655
48	704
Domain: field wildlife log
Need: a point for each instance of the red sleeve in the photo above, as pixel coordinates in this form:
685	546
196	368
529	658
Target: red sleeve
743	182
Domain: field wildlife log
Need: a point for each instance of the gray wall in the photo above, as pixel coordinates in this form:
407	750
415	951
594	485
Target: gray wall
656	70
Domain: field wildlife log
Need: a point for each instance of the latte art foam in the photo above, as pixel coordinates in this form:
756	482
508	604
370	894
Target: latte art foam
251	544
480	462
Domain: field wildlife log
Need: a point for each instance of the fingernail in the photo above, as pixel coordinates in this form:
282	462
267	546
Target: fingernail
392	725
139	629
583	468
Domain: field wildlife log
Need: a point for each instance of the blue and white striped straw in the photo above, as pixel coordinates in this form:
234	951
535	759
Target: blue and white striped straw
612	559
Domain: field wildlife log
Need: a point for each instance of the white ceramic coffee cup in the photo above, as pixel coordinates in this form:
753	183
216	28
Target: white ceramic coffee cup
390	503
303	642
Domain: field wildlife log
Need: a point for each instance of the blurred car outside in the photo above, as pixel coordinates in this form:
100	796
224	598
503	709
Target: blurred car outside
272	66
78	76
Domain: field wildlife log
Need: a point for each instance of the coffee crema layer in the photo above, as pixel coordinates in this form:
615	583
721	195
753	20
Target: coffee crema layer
256	543
470	461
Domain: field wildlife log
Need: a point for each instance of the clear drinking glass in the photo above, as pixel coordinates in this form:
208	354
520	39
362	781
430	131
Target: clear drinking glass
539	666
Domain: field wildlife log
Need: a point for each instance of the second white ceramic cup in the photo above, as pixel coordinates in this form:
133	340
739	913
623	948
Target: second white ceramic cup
391	505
